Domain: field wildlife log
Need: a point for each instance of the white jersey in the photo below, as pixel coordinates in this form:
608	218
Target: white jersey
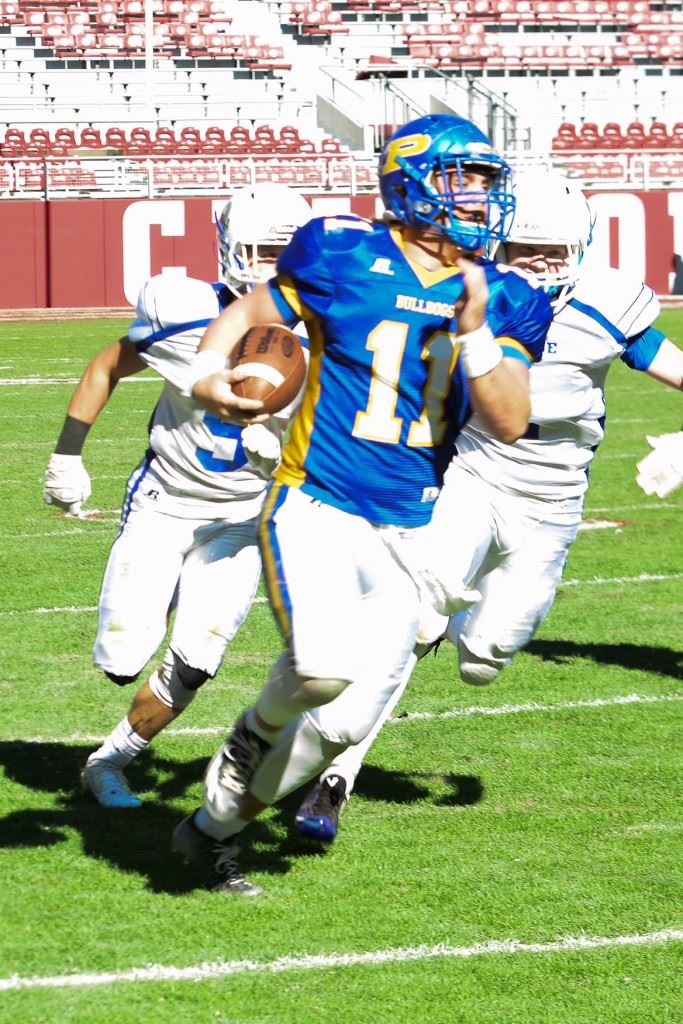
608	316
196	462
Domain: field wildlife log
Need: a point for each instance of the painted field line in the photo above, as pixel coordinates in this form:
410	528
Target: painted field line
597	581
649	506
322	961
76	609
611	580
8	382
532	707
472	711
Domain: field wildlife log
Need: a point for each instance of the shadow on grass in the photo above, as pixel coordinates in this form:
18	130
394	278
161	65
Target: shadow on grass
139	839
401	788
662	661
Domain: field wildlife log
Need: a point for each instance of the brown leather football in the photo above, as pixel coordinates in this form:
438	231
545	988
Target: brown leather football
277	365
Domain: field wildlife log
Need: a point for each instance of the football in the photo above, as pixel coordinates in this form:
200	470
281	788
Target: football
276	362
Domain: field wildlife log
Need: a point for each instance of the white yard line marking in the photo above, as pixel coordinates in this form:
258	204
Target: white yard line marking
8	382
597	581
612	580
530	708
67	533
324	961
602	524
650	826
651	506
76	609
610	456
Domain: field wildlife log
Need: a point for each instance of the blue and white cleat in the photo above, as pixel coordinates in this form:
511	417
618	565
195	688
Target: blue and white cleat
108	785
318	816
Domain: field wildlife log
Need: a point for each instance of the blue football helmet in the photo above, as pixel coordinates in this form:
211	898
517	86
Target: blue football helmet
439	145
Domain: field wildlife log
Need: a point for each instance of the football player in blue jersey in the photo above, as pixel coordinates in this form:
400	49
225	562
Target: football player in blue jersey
519	506
408	329
188	527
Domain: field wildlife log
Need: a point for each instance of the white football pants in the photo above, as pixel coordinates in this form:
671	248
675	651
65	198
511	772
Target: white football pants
208	569
516	550
336	590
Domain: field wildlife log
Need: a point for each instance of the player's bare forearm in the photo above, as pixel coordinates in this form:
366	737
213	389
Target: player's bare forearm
257	307
501	400
667	365
100	377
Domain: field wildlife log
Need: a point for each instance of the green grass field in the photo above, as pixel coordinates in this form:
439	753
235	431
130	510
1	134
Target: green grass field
512	854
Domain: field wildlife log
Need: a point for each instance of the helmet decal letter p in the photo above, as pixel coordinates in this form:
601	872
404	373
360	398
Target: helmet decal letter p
409	145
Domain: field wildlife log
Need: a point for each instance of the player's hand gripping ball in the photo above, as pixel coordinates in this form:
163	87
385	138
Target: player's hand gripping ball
276	362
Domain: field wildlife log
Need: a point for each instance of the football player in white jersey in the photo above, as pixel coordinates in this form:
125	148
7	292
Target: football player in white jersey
519	506
187	539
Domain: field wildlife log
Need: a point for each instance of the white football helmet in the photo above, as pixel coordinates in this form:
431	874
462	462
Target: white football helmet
551	210
257	216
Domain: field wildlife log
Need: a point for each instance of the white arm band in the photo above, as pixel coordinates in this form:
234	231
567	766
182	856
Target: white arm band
205	363
479	351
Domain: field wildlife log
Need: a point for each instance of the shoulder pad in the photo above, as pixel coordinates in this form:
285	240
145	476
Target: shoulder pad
166	300
342	232
619	297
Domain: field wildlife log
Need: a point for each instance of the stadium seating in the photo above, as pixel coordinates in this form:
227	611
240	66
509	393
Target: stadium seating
203	28
140	141
633	136
203	48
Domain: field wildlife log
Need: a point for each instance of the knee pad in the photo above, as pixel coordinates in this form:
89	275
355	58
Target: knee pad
287	694
175	683
317	692
120	680
360	709
477	670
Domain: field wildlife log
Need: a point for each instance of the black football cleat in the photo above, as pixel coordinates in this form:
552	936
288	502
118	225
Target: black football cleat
215	858
318	816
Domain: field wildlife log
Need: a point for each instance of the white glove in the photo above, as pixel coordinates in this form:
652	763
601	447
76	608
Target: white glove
440	597
262	449
661	472
67	483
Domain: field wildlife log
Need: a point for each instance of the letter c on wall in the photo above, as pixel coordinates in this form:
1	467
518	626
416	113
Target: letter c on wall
137	254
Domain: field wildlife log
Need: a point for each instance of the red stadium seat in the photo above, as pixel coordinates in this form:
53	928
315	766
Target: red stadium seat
65	137
216	136
90	139
238	141
11	12
191	139
115	138
164	141
635	136
658	136
139	140
14	137
588	136
612	137
677	135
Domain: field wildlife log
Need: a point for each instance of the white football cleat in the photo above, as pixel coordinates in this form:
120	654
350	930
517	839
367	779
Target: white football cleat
108	785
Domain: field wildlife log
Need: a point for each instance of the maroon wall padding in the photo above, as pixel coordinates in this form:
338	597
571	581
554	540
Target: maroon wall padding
23	265
93	253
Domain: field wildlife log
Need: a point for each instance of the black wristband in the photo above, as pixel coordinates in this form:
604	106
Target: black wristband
72	437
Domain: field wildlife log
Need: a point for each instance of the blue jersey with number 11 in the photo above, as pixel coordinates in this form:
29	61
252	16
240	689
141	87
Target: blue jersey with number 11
385	394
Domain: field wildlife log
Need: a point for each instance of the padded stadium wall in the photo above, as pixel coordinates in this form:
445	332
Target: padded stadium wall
95	253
